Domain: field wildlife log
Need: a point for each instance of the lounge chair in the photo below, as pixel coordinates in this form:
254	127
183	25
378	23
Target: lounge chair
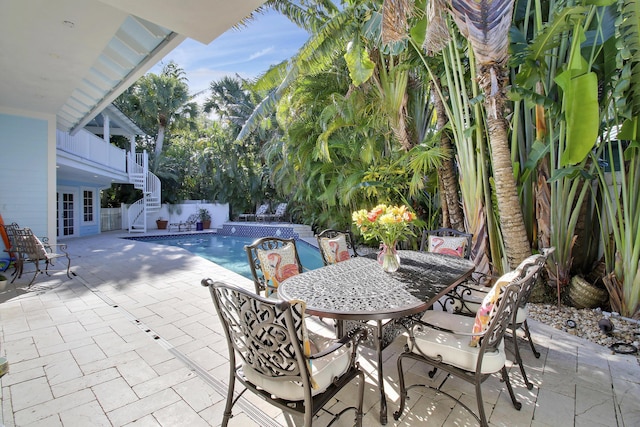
278	215
187	225
262	210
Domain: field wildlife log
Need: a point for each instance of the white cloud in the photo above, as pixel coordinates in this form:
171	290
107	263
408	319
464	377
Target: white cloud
263	52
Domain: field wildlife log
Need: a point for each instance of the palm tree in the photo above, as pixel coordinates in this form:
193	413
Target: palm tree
231	101
486	25
160	101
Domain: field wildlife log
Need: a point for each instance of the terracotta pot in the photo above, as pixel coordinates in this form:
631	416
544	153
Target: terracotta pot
162	224
206	223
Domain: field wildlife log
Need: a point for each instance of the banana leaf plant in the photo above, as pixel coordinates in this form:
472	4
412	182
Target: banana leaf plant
621	198
621	212
557	91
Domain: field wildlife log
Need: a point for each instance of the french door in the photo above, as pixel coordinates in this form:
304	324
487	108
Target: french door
66	217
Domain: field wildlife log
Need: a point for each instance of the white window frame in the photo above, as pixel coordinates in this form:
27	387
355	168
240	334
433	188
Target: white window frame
82	206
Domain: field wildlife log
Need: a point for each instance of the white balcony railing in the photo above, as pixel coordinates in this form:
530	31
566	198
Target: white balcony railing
89	147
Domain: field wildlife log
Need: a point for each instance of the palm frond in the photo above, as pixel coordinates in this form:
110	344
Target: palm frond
395	14
437	36
316	55
308	19
485	24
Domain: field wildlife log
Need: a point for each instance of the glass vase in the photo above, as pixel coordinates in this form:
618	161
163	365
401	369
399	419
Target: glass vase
388	257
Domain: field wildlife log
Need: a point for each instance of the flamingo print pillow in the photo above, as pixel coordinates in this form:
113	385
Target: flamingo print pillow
489	306
447	245
278	264
335	249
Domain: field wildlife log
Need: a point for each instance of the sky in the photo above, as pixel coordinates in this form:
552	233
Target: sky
248	52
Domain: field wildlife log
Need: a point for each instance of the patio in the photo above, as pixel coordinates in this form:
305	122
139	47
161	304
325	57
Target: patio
133	337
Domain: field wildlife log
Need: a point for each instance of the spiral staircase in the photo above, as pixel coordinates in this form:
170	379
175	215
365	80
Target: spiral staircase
142	179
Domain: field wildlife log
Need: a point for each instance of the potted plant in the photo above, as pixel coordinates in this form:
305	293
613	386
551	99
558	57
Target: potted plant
162	223
3	282
205	217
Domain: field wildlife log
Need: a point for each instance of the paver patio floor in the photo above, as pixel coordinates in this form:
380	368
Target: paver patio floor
133	339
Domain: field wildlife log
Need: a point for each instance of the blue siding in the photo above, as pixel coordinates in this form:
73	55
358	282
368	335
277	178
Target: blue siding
23	171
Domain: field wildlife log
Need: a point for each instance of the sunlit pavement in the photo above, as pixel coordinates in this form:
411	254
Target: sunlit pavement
134	338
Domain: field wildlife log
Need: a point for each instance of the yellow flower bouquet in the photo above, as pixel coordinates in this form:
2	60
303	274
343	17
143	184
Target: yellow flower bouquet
388	224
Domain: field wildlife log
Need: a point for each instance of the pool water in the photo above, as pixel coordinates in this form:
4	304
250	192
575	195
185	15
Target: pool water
228	251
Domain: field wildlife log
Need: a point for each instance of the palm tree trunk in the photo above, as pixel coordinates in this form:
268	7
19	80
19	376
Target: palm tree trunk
160	140
514	233
447	173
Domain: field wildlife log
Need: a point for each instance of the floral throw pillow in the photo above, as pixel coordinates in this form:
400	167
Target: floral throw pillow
489	306
278	264
447	245
335	249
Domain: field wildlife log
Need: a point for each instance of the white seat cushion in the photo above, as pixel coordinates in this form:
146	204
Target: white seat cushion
323	370
453	348
522	314
473	300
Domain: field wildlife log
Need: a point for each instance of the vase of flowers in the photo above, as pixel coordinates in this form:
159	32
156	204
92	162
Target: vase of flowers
388	224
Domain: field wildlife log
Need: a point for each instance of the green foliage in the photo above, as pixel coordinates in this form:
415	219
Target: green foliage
119	193
559	74
621	227
160	103
204	214
360	66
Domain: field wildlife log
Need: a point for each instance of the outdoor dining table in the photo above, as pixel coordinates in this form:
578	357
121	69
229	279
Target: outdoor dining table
359	290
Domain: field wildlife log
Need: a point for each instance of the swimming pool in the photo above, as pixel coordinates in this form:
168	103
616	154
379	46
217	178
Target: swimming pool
228	251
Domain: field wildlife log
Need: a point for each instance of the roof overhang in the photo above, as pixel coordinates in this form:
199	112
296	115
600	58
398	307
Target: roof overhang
72	58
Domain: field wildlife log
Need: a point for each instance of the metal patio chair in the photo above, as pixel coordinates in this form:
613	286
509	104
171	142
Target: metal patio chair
272	354
13	255
471	297
272	260
463	347
452	242
336	246
31	249
446	241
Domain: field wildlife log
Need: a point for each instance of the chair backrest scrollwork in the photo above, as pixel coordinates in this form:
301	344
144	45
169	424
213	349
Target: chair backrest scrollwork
500	321
10	229
534	264
267	335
